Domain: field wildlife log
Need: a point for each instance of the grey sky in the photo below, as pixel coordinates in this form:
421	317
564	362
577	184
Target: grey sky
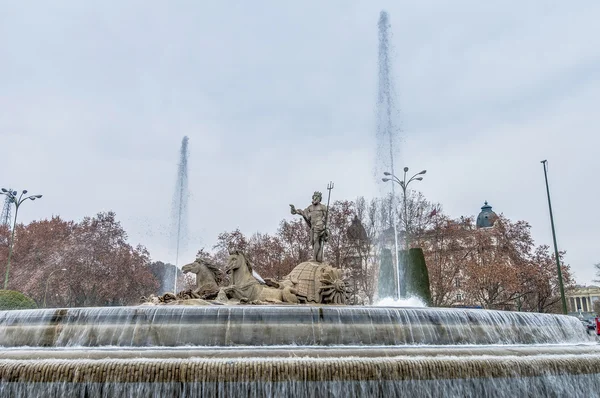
278	98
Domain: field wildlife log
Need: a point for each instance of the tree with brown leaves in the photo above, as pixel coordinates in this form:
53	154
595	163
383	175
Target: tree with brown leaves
495	265
540	282
101	267
446	249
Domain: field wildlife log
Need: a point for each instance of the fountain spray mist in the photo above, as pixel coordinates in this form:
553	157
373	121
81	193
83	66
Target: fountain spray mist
387	133
179	211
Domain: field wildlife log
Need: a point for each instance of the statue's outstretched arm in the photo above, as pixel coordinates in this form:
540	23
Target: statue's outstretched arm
297	211
300	212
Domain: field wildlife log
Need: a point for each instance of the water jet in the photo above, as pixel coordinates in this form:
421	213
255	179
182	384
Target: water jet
179	209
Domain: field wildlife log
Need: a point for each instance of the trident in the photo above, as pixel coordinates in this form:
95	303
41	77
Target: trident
329	188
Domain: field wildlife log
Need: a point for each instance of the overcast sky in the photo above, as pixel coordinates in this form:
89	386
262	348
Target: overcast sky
278	98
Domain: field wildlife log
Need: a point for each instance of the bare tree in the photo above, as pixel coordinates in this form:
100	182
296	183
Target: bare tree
597	266
363	237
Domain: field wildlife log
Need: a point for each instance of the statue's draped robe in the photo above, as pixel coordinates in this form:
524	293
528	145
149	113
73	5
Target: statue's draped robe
314	215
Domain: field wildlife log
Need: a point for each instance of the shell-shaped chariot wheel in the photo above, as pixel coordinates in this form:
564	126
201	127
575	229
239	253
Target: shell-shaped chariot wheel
333	289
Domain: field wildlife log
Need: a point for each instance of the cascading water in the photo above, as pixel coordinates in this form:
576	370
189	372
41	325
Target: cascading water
310	326
179	211
300	351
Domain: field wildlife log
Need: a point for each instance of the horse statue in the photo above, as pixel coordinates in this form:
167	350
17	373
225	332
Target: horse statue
245	287
308	282
208	277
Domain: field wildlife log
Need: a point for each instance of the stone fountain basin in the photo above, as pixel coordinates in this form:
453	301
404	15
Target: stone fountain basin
223	326
304	372
300	351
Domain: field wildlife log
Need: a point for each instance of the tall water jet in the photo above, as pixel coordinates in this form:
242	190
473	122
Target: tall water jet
179	211
387	133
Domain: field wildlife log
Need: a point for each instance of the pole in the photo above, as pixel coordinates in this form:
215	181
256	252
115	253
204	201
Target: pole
12	195
397	267
403	184
12	242
329	188
406	244
560	280
405	211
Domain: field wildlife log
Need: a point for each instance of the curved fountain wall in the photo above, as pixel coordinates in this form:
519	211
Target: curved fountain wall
282	325
300	351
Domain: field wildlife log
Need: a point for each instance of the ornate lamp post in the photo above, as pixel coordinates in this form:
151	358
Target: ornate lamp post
48	280
18	201
560	280
404	185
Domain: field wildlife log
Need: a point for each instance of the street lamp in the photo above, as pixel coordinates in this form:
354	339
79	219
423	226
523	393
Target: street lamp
12	197
48	280
404	185
560	280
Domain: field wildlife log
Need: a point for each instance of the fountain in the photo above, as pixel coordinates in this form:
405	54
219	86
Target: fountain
255	337
230	339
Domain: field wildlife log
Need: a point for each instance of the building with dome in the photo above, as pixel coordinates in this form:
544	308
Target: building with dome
486	217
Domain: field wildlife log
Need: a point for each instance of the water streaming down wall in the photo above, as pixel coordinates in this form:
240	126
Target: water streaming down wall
179	211
307	377
273	325
301	351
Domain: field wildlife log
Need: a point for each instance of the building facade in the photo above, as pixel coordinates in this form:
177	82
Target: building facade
581	300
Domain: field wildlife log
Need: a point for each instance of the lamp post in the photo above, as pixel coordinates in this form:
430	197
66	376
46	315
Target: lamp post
18	201
403	184
560	280
48	280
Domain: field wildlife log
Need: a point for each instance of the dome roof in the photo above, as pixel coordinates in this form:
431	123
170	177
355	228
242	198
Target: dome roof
487	217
